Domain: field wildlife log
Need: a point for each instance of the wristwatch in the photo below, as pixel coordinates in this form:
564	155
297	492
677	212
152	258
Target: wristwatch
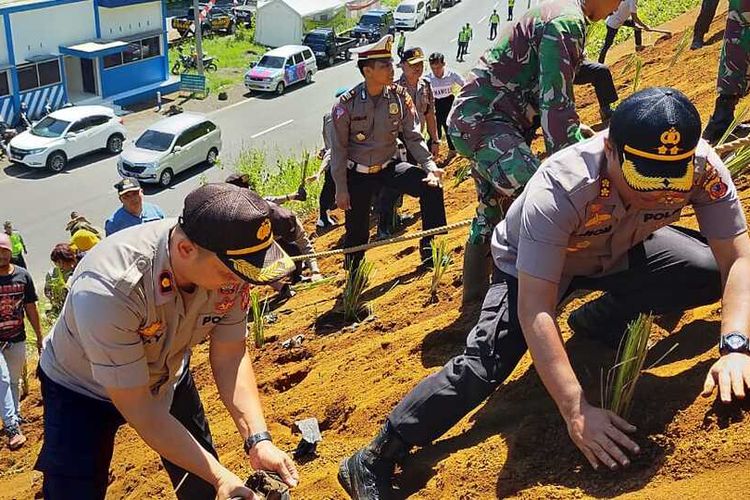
734	342
251	441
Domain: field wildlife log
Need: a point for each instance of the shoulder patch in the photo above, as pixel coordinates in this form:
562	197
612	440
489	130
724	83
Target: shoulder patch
347	96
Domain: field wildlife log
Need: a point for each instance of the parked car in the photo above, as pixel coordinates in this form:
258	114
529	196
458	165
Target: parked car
280	68
410	14
374	25
434	7
218	20
169	147
450	3
66	134
244	10
327	46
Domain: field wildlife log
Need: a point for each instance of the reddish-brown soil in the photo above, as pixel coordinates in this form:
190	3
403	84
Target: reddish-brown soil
514	445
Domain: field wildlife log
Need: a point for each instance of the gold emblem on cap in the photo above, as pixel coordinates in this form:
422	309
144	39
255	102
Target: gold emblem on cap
264	231
669	141
393	108
361	137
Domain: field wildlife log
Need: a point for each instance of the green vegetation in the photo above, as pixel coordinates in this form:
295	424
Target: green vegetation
683	44
285	177
738	160
233	54
356	282
257	312
652	12
441	259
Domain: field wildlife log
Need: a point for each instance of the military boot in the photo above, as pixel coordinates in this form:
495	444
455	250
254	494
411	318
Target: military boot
602	319
476	272
722	118
367	475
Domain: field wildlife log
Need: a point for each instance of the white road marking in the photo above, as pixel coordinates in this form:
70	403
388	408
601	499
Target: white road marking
481	19
271	129
240	103
454	40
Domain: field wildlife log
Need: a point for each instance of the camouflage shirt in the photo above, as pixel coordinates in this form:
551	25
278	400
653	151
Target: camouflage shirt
734	63
529	72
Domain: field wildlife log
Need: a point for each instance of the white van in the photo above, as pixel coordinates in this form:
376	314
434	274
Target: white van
170	146
410	14
280	68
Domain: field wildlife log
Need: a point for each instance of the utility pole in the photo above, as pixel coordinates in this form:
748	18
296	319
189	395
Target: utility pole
198	36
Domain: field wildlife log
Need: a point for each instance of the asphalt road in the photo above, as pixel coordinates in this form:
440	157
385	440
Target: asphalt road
39	203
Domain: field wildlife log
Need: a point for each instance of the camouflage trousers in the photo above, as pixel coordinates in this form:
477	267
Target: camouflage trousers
734	63
502	164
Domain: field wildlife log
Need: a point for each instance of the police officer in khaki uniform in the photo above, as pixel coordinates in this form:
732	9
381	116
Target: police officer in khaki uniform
120	349
594	216
420	91
366	122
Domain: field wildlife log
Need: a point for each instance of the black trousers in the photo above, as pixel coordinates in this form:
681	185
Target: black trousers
442	110
404	178
327	198
673	270
705	17
463	49
510	12
600	77
609	39
493	31
79	437
19	261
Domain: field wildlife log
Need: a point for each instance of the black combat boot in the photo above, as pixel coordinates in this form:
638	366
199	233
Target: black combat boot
367	474
602	319
721	118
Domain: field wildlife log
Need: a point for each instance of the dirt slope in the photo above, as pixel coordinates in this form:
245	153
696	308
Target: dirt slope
515	445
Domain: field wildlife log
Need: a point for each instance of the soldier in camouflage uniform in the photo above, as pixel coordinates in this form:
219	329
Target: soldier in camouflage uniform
734	65
525	80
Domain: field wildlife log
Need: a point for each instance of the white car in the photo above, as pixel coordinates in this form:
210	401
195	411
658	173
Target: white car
65	134
282	67
169	147
410	14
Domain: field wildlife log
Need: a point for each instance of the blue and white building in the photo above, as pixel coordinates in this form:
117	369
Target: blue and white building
81	51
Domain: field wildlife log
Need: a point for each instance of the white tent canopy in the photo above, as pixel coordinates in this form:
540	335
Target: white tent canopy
281	22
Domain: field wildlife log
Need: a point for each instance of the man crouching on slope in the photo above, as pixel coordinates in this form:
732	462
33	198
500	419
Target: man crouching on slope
120	350
595	216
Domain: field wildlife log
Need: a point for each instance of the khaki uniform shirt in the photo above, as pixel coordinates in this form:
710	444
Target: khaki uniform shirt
125	324
421	95
365	130
570	221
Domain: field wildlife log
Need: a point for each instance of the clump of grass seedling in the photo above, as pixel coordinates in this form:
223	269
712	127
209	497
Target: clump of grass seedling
357	280
629	63
681	46
619	386
441	259
637	76
258	313
738	118
737	161
463	172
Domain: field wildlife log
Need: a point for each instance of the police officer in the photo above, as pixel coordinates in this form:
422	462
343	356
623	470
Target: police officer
734	65
527	82
594	216
420	91
120	350
494	21
511	4
463	44
366	123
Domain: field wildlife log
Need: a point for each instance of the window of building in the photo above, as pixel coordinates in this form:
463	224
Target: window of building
4	84
136	50
32	76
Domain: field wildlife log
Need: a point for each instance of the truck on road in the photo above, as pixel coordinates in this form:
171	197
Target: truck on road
328	46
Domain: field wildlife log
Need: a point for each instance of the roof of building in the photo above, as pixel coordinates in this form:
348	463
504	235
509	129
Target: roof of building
309	7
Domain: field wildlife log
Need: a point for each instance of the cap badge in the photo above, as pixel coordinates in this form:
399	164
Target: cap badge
669	141
264	231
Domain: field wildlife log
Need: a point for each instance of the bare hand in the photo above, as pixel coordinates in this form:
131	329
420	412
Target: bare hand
732	373
266	456
343	201
230	486
586	131
435	149
599	434
435	178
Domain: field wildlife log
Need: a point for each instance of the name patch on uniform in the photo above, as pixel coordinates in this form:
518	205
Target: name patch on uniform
359	118
209	319
657	216
596	232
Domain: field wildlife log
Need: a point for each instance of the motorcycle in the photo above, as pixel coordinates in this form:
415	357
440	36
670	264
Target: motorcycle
187	62
7	132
